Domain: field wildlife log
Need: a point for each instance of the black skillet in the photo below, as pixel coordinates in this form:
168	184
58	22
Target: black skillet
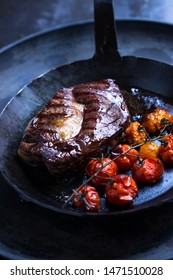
35	184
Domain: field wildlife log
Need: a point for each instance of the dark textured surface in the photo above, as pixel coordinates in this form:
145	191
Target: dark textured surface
28	231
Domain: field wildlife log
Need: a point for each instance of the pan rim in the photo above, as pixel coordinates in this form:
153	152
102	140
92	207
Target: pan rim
77	24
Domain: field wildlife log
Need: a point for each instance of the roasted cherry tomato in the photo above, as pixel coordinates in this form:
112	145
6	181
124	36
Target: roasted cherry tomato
102	178
171	119
149	149
147	170
166	149
87	198
155	121
122	190
125	161
170	129
135	133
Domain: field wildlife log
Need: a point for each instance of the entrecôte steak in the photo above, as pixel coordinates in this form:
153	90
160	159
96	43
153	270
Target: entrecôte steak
74	126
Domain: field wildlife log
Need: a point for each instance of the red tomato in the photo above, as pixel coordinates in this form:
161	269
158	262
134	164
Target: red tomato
166	149
102	178
126	161
122	190
148	170
87	198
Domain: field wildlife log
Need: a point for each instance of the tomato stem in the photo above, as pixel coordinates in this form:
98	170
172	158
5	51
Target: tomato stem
133	146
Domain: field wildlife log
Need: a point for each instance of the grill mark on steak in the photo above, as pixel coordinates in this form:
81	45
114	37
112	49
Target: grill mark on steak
76	124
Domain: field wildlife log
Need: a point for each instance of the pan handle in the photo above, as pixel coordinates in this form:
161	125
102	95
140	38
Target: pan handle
105	31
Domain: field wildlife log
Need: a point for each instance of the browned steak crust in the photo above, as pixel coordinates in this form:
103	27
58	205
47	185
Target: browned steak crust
76	124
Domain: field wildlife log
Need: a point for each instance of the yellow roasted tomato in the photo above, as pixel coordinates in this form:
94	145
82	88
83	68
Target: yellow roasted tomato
155	121
149	149
135	133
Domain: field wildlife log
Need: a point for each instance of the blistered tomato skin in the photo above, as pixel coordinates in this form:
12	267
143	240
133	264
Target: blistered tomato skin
149	149
166	149
121	191
171	121
125	161
87	199
147	171
102	178
135	133
153	122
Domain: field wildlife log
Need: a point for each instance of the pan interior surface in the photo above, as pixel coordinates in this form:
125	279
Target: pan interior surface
35	184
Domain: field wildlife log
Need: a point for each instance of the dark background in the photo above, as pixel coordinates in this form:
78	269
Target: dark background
20	18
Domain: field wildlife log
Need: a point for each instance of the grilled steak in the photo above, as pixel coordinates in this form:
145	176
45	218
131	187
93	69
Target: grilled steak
75	125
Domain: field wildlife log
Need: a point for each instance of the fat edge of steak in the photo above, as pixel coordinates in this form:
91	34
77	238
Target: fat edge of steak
78	123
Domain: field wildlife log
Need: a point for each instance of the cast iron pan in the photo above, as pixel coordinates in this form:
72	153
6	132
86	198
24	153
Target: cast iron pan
36	185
